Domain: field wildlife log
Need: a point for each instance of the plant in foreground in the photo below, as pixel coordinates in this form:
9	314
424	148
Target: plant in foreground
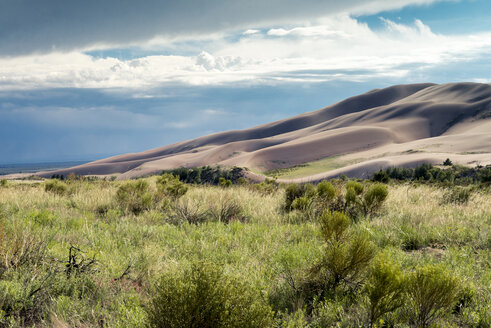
204	296
432	292
384	289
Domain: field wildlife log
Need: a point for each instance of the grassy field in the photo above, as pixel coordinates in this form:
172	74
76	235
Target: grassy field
311	168
76	257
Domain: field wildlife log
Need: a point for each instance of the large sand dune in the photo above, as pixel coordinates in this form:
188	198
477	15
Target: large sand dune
402	125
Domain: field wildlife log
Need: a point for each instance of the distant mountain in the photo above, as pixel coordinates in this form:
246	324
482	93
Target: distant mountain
402	125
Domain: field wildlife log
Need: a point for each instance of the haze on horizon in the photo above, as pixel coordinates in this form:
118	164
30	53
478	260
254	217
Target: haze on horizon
85	80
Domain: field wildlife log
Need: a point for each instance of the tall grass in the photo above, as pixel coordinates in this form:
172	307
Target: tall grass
248	235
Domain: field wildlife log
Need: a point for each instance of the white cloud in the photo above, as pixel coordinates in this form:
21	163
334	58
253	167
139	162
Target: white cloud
338	48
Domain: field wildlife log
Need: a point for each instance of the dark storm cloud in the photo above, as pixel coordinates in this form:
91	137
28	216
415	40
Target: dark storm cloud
28	26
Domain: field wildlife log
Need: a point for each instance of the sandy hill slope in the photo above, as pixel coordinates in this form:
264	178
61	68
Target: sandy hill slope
402	125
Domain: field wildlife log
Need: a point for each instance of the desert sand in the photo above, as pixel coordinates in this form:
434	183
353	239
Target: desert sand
402	125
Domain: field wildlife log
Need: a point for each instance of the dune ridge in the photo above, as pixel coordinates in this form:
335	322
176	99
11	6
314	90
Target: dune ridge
402	125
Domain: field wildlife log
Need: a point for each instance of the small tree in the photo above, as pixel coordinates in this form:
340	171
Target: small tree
448	162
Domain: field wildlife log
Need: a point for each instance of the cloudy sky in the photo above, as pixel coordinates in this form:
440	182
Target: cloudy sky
82	80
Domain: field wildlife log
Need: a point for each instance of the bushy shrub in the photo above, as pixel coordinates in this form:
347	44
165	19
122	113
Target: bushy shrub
18	248
374	197
267	187
203	296
384	289
303	204
23	299
381	176
356	186
457	195
364	201
432	293
170	186
334	225
292	192
224	183
56	187
346	257
226	210
185	210
134	196
3	183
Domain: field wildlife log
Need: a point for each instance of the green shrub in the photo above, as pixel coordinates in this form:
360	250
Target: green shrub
374	197
224	183
170	186
384	289
457	195
3	183
302	204
19	248
345	259
203	296
334	225
355	186
134	196
292	192
326	191
432	293
381	176
56	187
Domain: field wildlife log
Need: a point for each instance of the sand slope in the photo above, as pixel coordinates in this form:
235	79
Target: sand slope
399	125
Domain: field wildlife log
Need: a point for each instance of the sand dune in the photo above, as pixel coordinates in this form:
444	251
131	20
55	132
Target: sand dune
402	125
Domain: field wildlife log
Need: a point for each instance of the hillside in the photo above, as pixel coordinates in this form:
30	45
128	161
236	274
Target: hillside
402	125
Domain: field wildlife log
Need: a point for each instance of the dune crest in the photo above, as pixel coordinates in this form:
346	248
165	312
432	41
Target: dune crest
402	125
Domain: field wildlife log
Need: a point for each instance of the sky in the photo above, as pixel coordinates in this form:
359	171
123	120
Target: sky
83	80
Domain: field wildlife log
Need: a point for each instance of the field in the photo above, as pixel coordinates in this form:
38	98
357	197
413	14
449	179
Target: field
80	254
311	168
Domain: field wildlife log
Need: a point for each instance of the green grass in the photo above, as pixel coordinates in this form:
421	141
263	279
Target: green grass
132	251
311	168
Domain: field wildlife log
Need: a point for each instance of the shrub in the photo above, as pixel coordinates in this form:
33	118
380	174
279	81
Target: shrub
422	172
226	210
185	211
3	183
292	192
301	204
457	195
381	176
355	186
134	196
432	293
203	296
18	248
23	299
346	256
384	289
374	198
169	185
326	191
334	225
447	162
364	201
343	262
55	186
224	183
